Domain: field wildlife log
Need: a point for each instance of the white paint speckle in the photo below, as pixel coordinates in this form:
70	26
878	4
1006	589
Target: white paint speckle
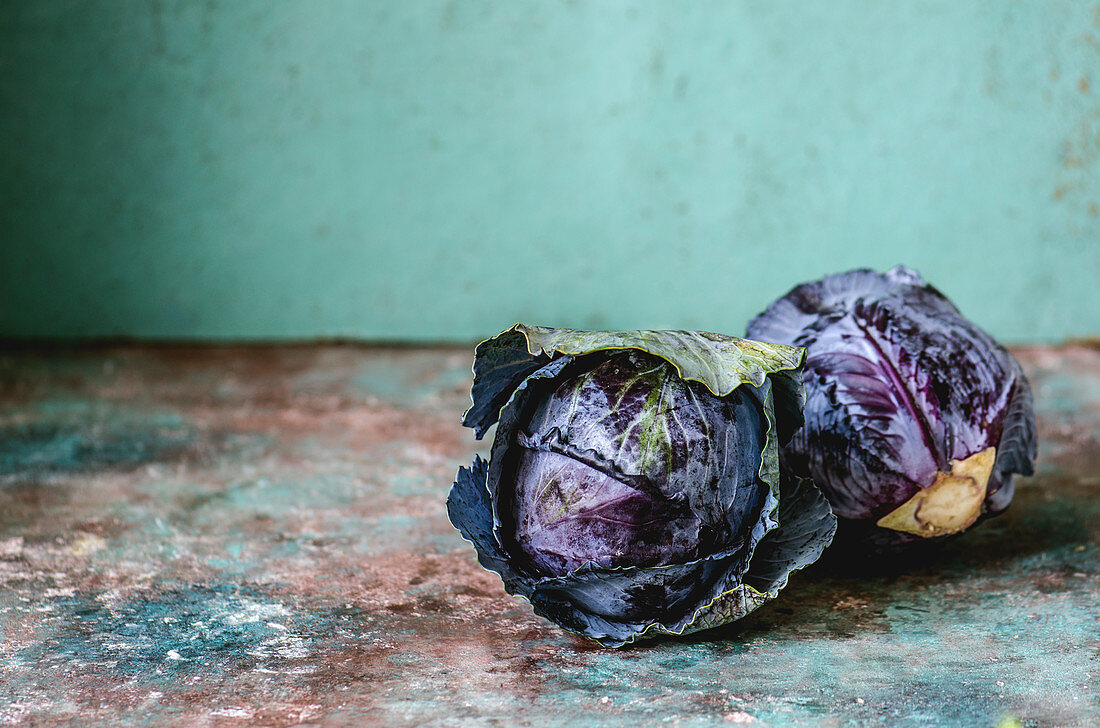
11	546
234	712
255	612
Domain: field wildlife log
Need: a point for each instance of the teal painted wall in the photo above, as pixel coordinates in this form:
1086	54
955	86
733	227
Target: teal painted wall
423	170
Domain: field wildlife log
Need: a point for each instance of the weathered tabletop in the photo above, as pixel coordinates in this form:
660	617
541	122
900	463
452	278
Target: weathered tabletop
256	536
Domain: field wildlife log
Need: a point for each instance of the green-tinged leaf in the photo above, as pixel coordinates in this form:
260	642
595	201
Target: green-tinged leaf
727	607
720	363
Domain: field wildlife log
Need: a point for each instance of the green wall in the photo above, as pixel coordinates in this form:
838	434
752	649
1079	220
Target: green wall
422	170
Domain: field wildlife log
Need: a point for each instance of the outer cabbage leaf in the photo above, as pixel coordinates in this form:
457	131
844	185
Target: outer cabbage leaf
807	526
720	363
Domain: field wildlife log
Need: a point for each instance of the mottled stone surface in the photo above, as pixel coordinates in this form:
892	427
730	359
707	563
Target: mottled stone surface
257	537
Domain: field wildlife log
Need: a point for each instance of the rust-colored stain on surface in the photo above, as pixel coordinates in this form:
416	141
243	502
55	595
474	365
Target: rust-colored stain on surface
257	537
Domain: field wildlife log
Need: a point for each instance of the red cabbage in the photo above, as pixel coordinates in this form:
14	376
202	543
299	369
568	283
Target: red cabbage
633	487
916	419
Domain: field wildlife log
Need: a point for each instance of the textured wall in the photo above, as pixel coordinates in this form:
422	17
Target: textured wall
437	170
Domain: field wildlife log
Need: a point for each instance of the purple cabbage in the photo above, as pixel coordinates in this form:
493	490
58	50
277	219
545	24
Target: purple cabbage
916	419
633	487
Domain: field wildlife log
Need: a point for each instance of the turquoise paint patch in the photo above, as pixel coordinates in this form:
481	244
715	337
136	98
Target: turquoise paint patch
187	630
272	496
66	435
50	449
64	409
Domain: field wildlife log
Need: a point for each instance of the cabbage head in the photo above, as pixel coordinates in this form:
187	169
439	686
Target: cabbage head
916	419
633	487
